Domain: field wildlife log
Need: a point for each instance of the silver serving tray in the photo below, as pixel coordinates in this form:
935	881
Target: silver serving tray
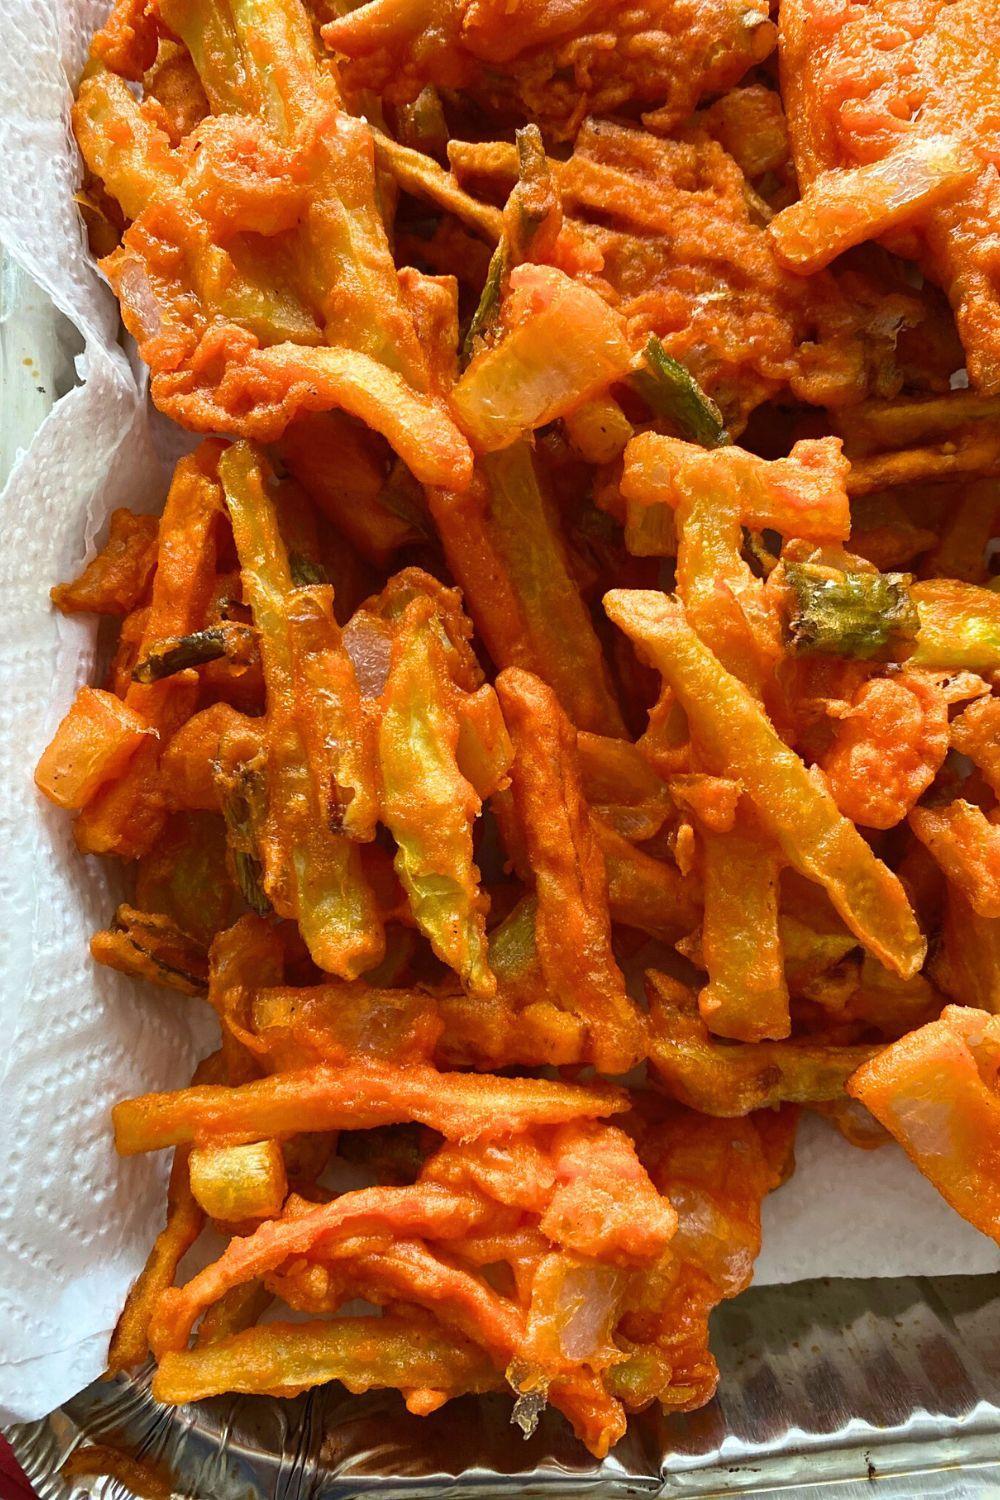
836	1389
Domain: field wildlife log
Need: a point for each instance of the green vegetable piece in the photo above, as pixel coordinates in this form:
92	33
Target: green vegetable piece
305	572
869	616
177	653
489	302
672	392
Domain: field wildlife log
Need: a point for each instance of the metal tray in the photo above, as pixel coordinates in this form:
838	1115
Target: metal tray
829	1388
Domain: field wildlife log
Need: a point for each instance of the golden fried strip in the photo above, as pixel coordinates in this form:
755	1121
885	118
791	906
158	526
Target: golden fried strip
746	996
283	1359
572	925
185	1218
352	1097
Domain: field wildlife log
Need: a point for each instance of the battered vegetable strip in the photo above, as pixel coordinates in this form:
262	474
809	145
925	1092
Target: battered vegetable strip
262	390
621	786
746	996
93	745
935	1090
366	1353
736	739
310	871
843	207
959	625
422	176
126	816
353	1097
338	463
561	345
560	634
967	847
734	1078
424	1211
340	745
117	580
803	495
644	892
572	925
427	804
238	1310
724	601
966	965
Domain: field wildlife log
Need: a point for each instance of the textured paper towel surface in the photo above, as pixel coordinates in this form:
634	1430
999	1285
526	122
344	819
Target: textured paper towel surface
74	1222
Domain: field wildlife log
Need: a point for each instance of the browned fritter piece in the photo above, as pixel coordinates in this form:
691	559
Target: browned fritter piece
555	61
864	82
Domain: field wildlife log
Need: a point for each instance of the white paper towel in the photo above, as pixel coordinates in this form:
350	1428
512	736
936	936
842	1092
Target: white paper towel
75	1223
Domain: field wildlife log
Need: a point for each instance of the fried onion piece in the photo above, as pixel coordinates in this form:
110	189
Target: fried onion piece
935	1091
876	96
117	580
846	206
887	748
353	1097
736	739
966	845
427	803
560	345
311	871
733	1078
127	815
397	1351
572	925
